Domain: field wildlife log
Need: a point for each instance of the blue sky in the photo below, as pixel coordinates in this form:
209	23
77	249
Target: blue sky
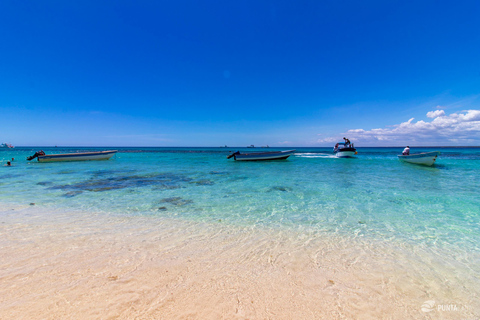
213	73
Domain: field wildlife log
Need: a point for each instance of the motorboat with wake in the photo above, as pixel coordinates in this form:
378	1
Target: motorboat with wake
344	150
257	156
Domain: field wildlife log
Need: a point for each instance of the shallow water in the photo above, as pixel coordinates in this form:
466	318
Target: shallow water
400	218
374	193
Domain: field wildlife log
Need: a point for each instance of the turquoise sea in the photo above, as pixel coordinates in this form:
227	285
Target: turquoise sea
375	193
429	213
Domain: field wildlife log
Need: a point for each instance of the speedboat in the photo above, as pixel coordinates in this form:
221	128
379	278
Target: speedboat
343	150
79	156
425	158
257	156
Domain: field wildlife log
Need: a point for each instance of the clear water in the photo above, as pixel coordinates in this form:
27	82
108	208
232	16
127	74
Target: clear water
373	195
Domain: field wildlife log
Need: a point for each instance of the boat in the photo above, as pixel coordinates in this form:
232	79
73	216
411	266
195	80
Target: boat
425	158
7	146
79	156
257	156
343	150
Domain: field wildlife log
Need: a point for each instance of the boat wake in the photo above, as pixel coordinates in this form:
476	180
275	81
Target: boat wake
316	155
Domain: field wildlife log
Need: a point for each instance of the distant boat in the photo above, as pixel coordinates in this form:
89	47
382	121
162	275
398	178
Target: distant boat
425	158
258	156
79	156
344	151
251	146
6	146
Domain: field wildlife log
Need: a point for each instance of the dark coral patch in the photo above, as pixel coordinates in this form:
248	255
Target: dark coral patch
72	194
280	188
163	181
204	182
177	201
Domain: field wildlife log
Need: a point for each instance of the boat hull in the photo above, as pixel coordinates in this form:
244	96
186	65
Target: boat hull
262	156
84	156
346	153
6	146
425	158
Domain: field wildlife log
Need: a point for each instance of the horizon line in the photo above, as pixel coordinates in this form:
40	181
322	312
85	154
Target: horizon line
73	146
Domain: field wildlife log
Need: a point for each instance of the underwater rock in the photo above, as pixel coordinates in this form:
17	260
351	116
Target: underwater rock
105	188
122	182
204	182
280	188
44	183
234	179
162	208
218	172
171	199
177	201
167	187
72	194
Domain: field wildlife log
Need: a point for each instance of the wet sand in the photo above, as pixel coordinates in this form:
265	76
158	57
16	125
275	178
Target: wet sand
72	265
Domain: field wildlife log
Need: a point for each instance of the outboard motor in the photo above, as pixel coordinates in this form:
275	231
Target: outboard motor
39	153
233	154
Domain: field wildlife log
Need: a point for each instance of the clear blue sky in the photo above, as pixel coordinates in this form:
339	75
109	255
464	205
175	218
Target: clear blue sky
210	73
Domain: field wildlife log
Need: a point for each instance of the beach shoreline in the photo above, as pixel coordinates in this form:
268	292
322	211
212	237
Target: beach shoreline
70	265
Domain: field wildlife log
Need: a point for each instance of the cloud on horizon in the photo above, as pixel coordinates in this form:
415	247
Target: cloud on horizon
457	129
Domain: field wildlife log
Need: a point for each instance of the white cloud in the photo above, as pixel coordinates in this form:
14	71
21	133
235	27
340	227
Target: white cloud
455	129
436	113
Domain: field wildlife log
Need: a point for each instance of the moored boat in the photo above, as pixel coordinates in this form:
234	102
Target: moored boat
79	156
6	145
257	156
424	158
344	150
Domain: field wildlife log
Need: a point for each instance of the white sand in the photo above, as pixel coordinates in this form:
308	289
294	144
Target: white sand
59	265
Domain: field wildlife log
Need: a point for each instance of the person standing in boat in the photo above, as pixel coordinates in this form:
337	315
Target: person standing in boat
347	142
406	151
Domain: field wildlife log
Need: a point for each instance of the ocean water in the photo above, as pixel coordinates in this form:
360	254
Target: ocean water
433	212
374	194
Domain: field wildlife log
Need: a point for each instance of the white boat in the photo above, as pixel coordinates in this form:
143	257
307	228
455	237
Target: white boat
425	158
344	151
79	156
258	156
6	145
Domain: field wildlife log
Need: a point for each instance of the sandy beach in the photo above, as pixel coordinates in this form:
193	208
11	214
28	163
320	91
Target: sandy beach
283	160
58	265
